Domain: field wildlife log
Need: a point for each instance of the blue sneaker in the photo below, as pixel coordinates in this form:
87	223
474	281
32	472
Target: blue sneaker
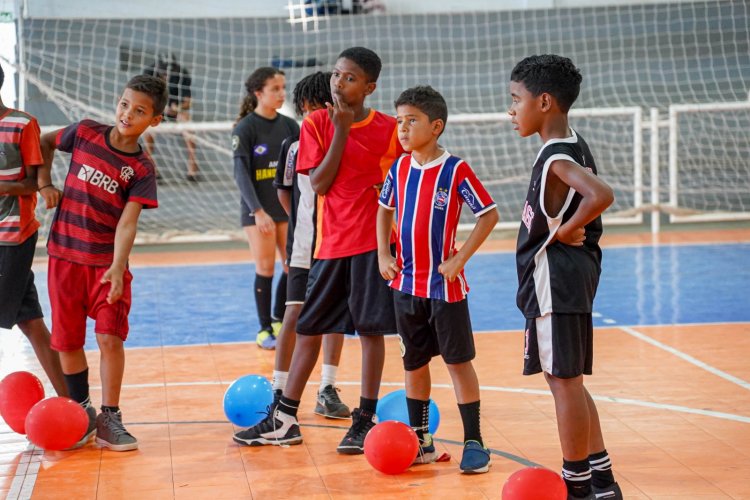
476	459
266	339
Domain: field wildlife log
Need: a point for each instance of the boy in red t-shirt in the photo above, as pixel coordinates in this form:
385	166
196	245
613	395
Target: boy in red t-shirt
346	150
110	179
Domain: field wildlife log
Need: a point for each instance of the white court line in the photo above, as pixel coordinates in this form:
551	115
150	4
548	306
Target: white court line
516	390
687	357
26	473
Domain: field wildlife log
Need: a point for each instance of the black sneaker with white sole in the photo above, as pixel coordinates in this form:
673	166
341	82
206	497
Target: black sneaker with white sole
277	428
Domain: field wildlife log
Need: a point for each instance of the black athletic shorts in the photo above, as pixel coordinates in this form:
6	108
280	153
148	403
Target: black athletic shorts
347	294
18	296
296	285
559	344
431	327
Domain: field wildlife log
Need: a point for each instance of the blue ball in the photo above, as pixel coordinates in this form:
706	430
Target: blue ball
392	406
247	399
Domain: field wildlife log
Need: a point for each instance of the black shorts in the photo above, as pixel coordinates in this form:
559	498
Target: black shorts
249	220
18	296
347	294
296	285
559	344
428	327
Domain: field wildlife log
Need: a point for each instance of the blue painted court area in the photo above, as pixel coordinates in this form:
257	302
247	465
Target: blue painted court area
640	286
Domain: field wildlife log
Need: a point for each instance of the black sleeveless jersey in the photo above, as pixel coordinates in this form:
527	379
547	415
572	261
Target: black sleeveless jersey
556	277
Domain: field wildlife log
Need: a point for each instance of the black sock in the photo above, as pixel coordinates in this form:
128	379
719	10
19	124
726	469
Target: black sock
368	404
577	476
280	300
419	416
263	287
470	419
113	409
601	469
78	386
288	406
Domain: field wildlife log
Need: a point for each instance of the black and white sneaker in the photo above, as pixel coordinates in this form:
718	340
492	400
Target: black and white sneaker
277	428
330	405
354	441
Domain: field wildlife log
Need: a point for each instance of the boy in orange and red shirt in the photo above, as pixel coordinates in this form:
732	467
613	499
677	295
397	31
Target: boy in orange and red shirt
346	150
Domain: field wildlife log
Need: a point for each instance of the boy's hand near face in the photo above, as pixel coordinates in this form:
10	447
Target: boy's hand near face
340	113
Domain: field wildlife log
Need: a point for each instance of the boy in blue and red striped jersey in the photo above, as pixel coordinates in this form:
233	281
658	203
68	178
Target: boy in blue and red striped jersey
110	179
20	156
427	189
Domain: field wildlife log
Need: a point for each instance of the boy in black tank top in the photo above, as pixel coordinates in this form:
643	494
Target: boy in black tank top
559	261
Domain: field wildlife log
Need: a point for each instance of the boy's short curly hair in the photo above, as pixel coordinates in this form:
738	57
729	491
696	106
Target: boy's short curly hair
315	89
551	74
426	99
154	86
365	59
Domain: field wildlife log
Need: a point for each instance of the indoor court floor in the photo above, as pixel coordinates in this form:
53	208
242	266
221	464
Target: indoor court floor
671	382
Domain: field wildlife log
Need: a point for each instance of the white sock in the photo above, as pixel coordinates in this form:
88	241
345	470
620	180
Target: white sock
279	380
328	376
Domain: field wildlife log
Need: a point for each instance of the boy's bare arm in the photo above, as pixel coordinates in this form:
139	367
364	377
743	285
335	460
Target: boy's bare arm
48	190
124	238
285	198
454	264
21	188
342	117
597	196
386	261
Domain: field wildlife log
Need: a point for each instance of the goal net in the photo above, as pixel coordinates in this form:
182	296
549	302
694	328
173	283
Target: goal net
633	57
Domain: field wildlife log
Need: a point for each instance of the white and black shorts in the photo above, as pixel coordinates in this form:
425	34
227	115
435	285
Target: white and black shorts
347	294
431	327
559	344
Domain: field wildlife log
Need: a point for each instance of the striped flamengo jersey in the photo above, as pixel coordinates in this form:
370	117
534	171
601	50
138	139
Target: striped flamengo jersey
100	182
428	200
19	147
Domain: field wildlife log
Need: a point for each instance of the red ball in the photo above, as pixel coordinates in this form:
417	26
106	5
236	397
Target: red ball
19	391
535	483
56	423
391	447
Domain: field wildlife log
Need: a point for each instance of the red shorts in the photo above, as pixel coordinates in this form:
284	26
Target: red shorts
75	291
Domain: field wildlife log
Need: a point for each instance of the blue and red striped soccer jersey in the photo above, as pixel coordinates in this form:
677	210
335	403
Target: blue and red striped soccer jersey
428	200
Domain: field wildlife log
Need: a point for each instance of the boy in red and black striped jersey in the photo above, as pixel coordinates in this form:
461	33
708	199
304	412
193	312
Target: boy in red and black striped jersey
110	179
20	156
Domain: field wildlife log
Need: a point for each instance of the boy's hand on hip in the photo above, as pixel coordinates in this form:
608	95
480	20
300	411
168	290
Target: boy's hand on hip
114	278
451	267
571	236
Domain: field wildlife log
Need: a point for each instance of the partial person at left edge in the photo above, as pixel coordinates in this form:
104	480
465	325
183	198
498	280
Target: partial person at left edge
20	157
110	180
